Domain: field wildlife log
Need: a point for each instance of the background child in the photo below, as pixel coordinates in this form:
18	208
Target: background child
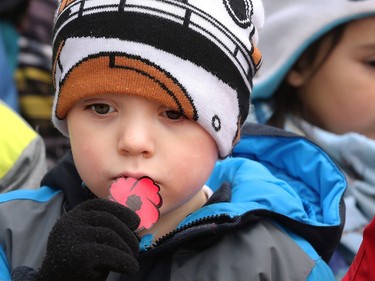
154	92
318	80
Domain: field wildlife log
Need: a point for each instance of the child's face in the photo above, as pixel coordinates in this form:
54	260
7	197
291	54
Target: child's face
340	97
121	135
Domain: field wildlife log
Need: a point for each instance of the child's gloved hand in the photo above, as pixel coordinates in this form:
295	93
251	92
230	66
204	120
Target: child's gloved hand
88	242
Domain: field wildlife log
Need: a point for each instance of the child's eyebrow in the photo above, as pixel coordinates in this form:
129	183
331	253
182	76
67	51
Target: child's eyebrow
368	46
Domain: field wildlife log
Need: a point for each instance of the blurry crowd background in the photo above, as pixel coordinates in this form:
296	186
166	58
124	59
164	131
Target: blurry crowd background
25	42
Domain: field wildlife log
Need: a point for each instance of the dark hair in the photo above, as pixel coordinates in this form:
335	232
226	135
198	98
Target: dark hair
13	11
285	99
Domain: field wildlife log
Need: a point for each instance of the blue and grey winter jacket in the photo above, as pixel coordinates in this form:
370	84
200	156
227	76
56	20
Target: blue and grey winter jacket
276	214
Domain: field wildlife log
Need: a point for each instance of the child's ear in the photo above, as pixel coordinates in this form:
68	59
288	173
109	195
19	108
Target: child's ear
295	78
299	74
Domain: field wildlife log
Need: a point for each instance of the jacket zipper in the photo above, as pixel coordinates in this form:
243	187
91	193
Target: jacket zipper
220	218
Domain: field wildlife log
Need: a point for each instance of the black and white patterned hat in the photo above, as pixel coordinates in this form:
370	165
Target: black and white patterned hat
195	56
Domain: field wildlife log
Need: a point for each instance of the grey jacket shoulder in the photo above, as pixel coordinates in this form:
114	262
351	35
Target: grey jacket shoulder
26	218
23	157
28	169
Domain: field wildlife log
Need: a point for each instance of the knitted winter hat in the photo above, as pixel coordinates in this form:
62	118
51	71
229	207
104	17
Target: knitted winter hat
291	26
194	56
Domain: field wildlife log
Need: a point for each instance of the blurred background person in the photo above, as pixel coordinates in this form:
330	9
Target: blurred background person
318	80
22	151
25	60
33	76
11	15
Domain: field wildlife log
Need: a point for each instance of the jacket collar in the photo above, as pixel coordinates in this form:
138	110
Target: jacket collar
64	176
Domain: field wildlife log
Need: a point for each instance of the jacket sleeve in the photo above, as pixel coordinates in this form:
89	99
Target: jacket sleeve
362	268
22	153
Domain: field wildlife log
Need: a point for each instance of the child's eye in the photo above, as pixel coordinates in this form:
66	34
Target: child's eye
101	108
371	63
173	114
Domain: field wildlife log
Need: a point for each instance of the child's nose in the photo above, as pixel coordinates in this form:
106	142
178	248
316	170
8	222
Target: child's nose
136	140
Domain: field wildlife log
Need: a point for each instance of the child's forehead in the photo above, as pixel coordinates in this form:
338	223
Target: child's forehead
362	26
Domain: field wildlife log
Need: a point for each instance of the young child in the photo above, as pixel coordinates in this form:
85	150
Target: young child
318	80
151	94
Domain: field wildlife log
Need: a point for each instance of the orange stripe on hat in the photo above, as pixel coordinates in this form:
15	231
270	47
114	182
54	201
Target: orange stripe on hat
64	4
257	57
121	74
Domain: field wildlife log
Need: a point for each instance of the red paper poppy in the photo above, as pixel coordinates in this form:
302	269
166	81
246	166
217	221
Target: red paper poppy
141	195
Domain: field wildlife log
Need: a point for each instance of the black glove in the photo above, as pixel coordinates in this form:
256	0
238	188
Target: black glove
88	242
